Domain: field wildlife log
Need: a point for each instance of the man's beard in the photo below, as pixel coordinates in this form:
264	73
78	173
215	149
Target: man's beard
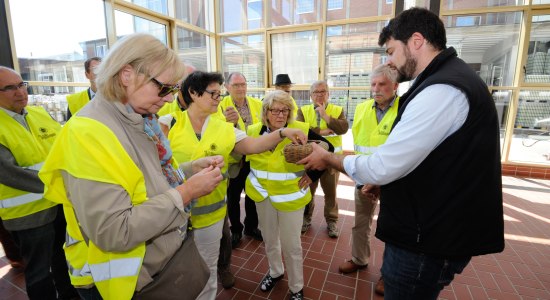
406	72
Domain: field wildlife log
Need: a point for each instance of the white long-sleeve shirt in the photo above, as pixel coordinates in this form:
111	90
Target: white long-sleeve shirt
435	113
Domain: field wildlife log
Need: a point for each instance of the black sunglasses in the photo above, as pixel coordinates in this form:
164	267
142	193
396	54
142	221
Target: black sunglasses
165	89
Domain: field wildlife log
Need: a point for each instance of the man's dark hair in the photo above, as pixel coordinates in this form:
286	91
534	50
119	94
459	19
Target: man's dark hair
197	82
89	61
416	19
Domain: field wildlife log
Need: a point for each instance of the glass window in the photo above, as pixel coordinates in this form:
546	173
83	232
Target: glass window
502	103
531	137
296	54
192	48
127	24
245	54
240	15
48	49
488	43
160	6
416	3
351	56
192	12
537	67
285	12
335	4
339	10
466	4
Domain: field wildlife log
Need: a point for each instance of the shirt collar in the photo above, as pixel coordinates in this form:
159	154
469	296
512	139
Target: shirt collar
14	114
92	93
388	107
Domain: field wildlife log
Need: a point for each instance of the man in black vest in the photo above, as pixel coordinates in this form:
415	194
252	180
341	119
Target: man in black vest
441	197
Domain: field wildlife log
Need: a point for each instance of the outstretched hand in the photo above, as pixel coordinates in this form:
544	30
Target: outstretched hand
317	160
295	135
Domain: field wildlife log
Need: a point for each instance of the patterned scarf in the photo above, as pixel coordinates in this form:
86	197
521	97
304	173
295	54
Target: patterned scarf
174	176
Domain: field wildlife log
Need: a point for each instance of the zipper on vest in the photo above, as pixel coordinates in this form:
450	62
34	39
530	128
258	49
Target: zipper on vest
418	233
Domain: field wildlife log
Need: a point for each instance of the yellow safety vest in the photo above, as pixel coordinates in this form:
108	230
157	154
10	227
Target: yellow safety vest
218	139
295	107
271	176
77	101
29	149
311	117
368	134
169	108
254	105
115	274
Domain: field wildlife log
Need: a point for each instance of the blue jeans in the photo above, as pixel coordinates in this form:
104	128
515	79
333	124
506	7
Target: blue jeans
409	275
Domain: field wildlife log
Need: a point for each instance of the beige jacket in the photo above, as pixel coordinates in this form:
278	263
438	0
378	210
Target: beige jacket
105	211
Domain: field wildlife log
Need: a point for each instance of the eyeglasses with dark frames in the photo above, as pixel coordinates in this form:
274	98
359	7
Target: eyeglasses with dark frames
277	112
165	89
213	94
13	88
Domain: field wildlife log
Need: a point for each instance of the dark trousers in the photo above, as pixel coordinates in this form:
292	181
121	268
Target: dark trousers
9	245
409	275
224	259
42	249
236	186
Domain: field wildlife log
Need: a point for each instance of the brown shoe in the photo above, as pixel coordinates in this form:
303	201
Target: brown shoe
226	278
379	287
349	267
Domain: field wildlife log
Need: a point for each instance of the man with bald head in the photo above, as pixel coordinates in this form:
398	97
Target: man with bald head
36	224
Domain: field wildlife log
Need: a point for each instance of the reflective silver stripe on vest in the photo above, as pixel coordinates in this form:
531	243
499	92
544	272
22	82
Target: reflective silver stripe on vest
36	167
289	197
203	210
85	271
276	198
364	149
115	268
276	176
257	185
338	149
20	200
69	240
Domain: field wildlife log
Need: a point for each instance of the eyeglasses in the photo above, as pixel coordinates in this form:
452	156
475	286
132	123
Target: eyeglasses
319	93
214	95
165	89
277	112
13	88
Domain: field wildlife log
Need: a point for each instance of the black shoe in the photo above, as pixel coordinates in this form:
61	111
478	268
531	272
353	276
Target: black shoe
226	278
269	282
235	240
297	296
255	234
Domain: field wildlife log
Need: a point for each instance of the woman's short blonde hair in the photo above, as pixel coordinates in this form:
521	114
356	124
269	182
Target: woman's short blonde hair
146	54
278	96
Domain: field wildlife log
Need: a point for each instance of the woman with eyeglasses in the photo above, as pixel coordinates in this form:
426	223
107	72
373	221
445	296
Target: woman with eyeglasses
125	198
198	132
281	191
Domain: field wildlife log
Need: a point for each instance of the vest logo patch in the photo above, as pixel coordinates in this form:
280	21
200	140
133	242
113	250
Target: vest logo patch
44	133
